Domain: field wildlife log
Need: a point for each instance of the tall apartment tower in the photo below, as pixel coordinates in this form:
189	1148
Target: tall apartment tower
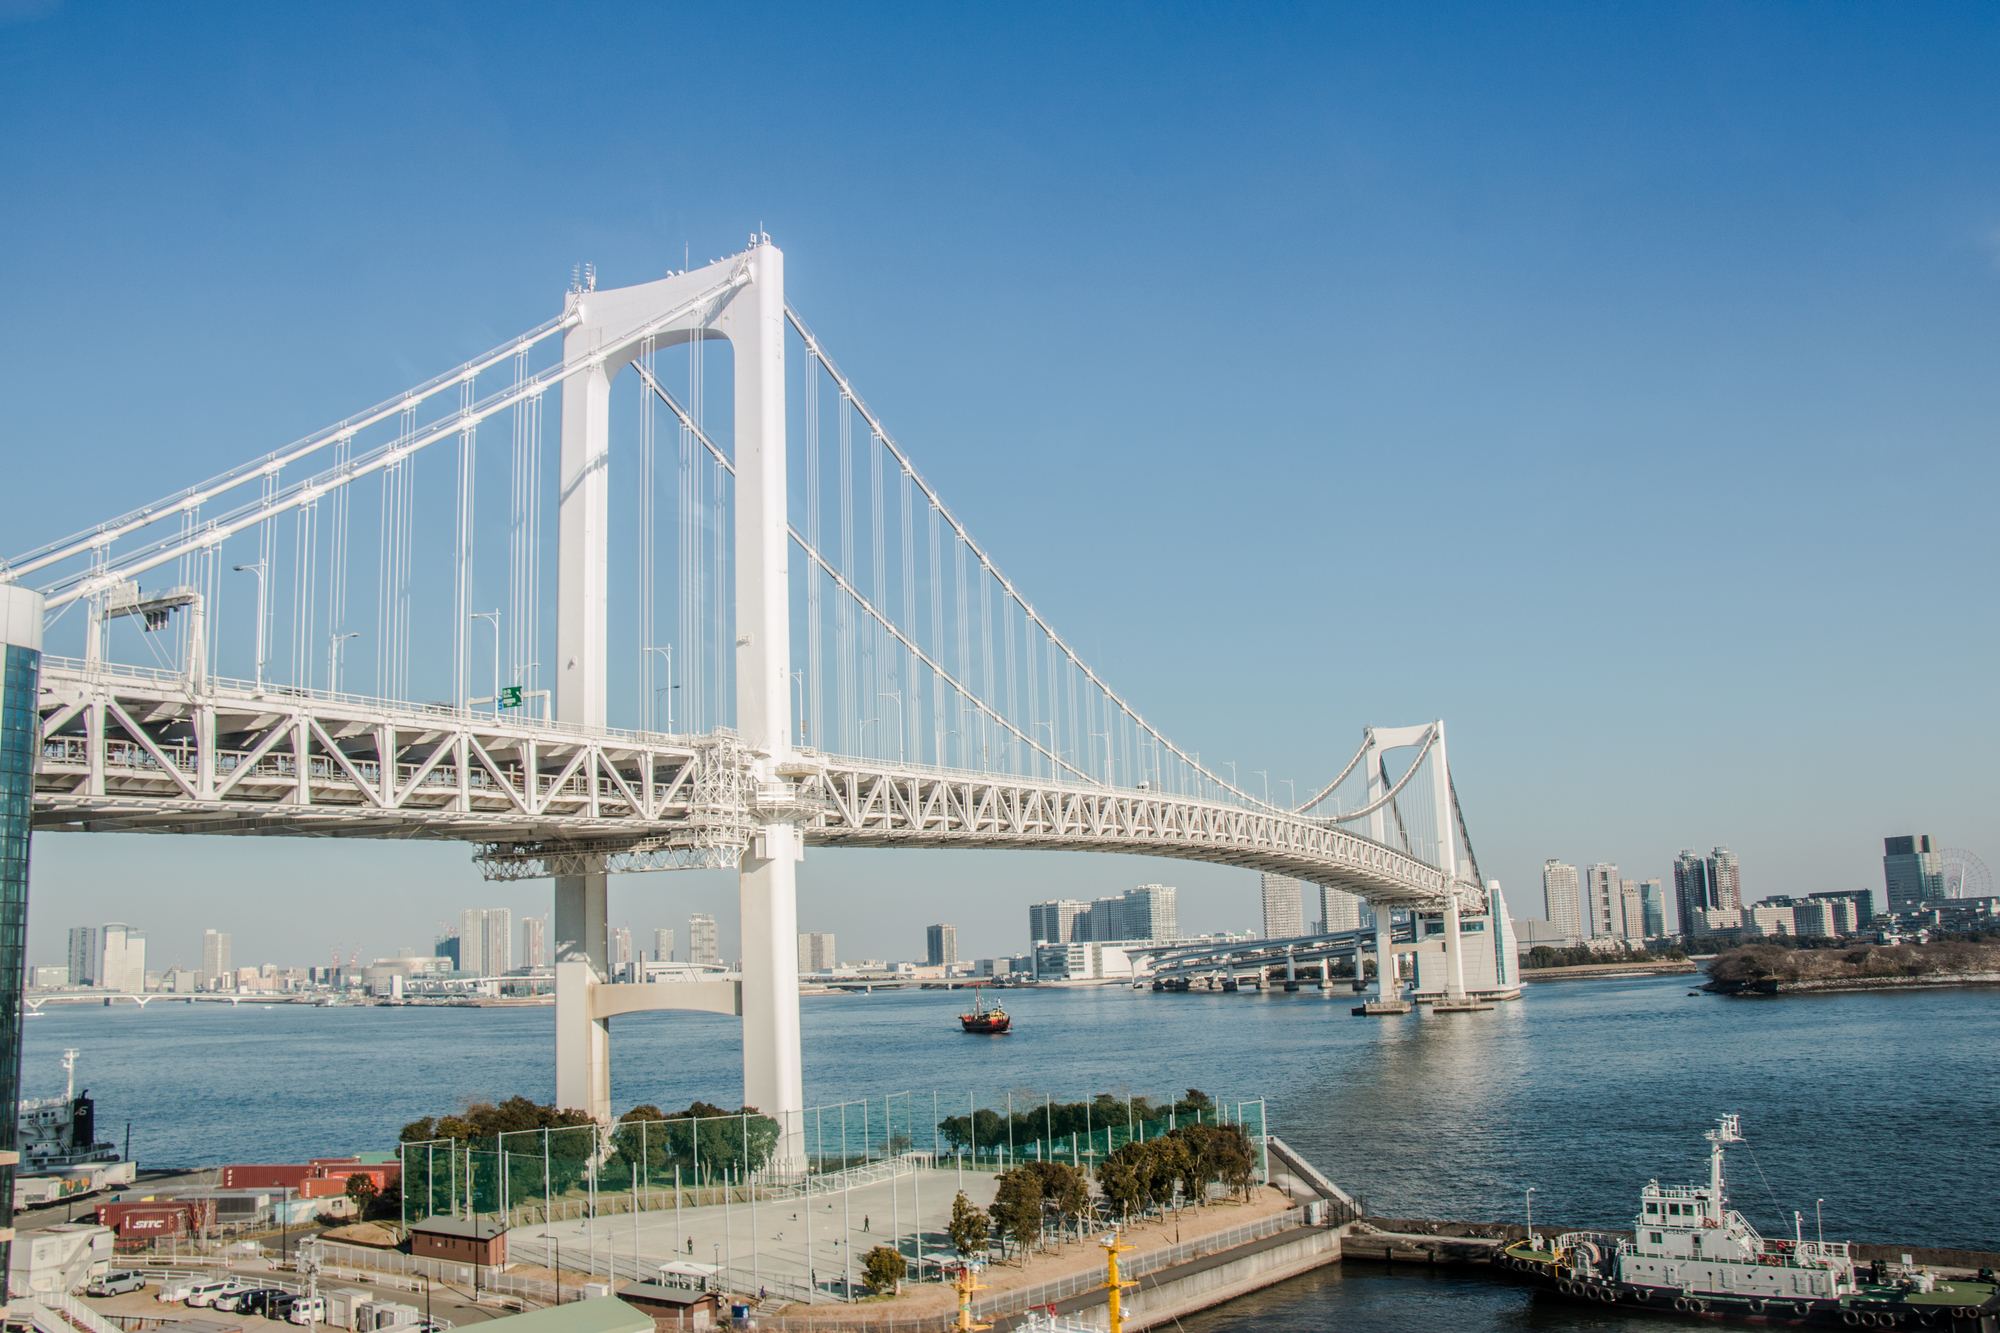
535	941
1693	894
1652	908
1724	880
941	945
1338	910
621	954
1912	872
121	956
663	945
214	957
499	941
84	954
816	952
1604	903
1149	913
703	946
1562	900
1053	922
1284	907
1632	909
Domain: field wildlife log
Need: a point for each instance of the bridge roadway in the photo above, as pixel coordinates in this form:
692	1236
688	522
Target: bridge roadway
138	750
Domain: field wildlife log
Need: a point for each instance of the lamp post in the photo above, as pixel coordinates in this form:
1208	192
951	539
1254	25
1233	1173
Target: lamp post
1267	783
493	616
1051	728
897	695
668	652
257	568
1105	736
333	642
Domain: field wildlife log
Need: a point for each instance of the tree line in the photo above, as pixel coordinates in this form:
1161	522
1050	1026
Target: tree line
1058	1120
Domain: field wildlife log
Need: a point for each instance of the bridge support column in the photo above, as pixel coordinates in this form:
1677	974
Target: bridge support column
583	1042
1454	952
773	1064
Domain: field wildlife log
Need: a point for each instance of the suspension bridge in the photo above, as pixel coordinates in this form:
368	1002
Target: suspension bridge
771	633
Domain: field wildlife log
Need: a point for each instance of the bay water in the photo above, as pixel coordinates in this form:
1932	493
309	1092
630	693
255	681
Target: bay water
1874	1108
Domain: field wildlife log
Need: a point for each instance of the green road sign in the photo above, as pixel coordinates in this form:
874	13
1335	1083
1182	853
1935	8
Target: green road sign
510	696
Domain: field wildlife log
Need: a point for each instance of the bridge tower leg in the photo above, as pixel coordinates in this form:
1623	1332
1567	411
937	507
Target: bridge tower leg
773	1072
1454	951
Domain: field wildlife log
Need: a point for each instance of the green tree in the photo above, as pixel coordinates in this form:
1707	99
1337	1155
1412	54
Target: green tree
1064	1187
1229	1157
1017	1209
883	1269
361	1191
968	1228
1122	1176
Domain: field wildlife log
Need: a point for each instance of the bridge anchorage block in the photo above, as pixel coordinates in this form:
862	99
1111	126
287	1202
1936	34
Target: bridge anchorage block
1383	1008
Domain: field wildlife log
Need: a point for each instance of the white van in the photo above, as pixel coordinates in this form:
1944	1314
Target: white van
309	1310
207	1293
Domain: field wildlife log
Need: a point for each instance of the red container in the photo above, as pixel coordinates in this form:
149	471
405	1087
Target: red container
264	1177
144	1221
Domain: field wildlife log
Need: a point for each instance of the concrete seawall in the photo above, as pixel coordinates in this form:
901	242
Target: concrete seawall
1171	1293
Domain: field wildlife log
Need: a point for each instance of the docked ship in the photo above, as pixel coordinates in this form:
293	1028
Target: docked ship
1692	1254
982	1019
61	1156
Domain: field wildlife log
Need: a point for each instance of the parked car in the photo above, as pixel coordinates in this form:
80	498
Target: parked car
250	1300
308	1310
207	1293
116	1283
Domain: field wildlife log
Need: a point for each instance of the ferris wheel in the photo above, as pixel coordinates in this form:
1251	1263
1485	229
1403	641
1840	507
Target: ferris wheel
1965	875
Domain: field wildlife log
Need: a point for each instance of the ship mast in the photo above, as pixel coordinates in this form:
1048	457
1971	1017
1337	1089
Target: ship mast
69	1074
1727	1130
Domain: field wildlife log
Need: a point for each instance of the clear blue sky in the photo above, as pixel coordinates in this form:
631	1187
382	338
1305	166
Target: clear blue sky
1614	381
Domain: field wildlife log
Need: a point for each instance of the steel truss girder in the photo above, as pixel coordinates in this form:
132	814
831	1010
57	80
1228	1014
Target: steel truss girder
872	805
123	749
136	751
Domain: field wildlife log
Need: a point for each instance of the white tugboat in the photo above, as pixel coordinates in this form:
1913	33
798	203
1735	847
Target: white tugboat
61	1156
1693	1254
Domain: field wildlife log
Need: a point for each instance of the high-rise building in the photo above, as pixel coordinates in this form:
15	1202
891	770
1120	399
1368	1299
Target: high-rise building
1724	881
1912	872
1053	922
1692	894
1149	913
121	959
1604	905
1652	908
1562	900
941	945
1338	910
84	954
816	952
663	945
535	941
447	947
1284	907
486	941
214	956
1631	910
704	947
621	952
